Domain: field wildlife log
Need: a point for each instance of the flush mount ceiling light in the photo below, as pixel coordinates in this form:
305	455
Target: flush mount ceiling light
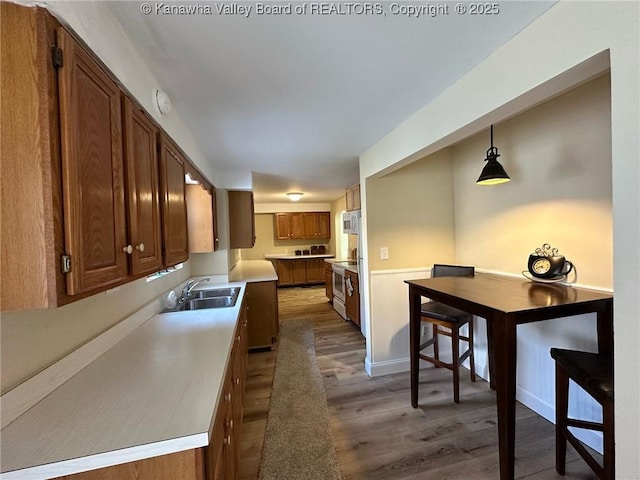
161	102
295	196
492	173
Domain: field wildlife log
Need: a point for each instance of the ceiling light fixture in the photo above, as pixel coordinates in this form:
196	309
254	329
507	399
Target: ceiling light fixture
493	173
295	196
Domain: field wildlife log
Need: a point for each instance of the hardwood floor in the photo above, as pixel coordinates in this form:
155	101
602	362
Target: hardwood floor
377	434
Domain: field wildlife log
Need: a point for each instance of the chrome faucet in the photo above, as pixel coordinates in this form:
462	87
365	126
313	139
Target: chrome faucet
189	286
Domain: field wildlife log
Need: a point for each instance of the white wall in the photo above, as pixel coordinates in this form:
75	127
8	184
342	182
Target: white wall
562	48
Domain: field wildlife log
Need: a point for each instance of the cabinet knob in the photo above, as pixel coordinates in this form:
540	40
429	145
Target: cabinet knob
128	249
227	397
227	440
140	247
236	381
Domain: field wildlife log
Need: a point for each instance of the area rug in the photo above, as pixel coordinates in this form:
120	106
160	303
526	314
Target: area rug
298	442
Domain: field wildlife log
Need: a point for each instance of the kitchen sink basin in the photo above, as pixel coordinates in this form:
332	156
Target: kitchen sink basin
218	292
214	302
204	299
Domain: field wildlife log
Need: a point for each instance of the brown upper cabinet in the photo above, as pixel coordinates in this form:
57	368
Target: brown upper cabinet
80	165
201	219
174	207
142	186
353	197
242	226
302	225
289	226
92	171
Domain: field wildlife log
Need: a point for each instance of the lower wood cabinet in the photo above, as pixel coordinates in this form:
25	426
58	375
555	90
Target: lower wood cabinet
300	271
218	460
328	281
352	296
262	302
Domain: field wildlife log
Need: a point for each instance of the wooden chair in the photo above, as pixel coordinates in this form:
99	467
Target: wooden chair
594	374
446	320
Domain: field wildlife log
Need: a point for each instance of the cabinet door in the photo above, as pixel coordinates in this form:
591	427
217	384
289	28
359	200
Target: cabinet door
296	226
214	210
142	180
282	226
200	219
298	271
324	224
284	268
351	296
92	168
315	270
262	298
328	281
242	227
174	208
310	222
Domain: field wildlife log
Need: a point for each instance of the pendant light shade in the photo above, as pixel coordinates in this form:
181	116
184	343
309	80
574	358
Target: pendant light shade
493	173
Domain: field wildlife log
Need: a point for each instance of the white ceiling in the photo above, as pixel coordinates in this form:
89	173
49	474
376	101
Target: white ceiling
296	98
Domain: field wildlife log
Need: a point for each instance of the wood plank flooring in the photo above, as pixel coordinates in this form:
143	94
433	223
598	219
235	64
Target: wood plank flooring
377	434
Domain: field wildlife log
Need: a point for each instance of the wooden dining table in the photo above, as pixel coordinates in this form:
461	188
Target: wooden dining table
506	302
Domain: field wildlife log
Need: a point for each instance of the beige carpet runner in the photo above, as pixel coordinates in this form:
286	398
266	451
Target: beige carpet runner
298	443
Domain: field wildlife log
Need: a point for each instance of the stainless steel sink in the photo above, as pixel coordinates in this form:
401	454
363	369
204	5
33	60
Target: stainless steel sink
203	299
218	292
215	302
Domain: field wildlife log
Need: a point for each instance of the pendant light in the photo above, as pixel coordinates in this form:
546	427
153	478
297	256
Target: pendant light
493	173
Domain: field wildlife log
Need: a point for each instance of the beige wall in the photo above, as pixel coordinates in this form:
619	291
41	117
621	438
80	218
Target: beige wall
558	155
411	212
267	244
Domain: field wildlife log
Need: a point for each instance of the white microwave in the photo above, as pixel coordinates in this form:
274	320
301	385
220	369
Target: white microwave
351	222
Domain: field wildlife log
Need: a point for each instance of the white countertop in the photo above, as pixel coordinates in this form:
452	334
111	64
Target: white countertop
288	256
253	271
155	392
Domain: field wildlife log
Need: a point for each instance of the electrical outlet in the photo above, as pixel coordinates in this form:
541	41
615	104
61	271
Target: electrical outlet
384	253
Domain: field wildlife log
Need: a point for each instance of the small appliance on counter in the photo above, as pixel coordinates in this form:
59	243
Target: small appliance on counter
322	249
298	252
314	250
305	252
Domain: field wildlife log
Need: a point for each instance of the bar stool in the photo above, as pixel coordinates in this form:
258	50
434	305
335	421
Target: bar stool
594	374
446	320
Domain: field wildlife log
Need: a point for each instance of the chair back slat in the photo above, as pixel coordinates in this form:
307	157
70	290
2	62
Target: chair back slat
442	270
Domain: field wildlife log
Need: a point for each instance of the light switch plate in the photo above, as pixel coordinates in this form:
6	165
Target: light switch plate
384	253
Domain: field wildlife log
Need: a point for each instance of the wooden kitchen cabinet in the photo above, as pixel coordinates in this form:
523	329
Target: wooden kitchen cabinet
200	219
31	224
352	296
142	187
353	197
92	170
300	271
174	207
289	226
315	270
242	226
328	281
302	225
262	302
80	159
317	225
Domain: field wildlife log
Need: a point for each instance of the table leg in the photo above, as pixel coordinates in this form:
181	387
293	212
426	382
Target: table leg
414	342
605	329
504	344
491	354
